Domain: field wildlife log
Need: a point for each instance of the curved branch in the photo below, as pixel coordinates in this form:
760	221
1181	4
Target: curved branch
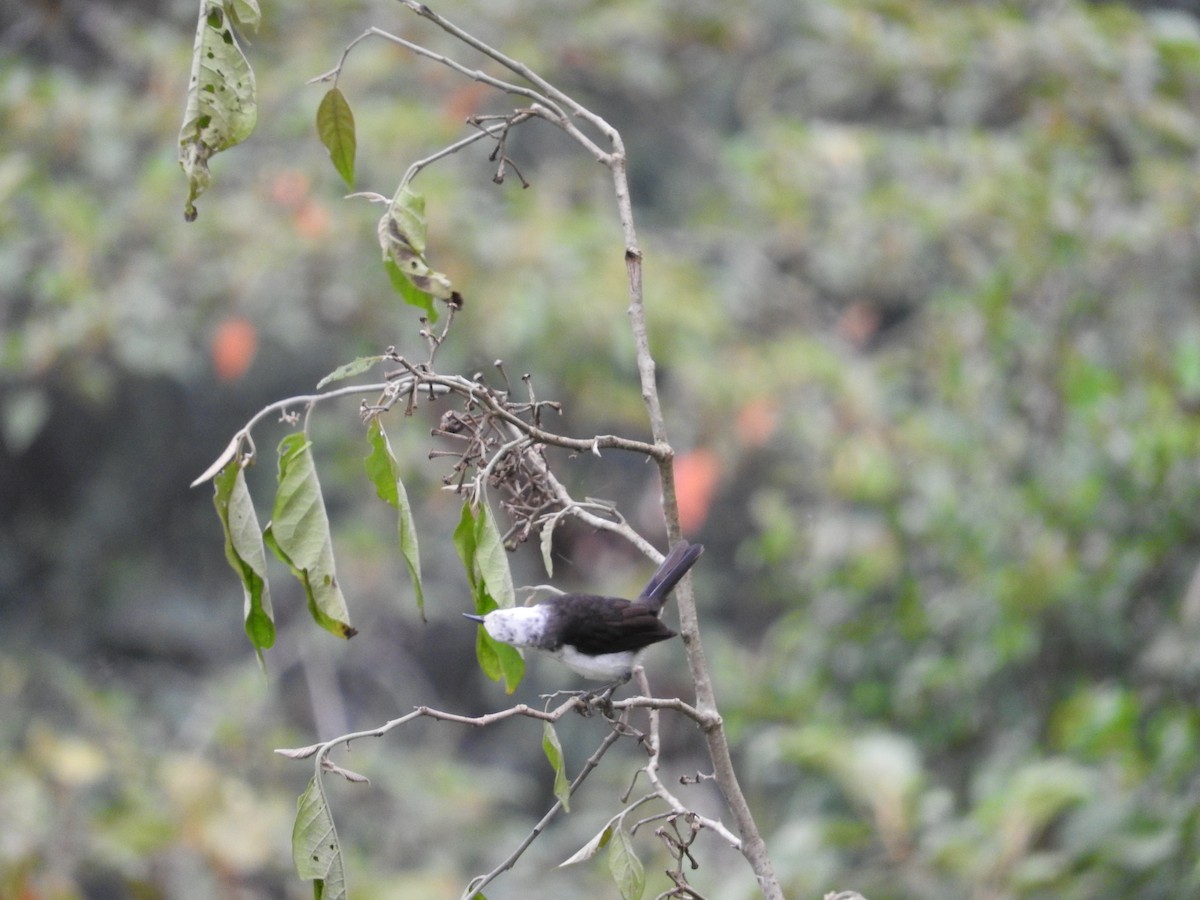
532	77
305	400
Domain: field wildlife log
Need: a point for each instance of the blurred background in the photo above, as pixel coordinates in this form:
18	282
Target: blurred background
923	283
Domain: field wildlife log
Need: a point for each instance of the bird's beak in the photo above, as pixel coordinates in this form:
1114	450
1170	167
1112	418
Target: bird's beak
473	618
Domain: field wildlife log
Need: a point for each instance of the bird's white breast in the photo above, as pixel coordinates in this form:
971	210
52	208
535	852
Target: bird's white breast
605	667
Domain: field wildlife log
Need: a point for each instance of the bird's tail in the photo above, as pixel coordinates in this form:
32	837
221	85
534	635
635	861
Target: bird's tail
681	558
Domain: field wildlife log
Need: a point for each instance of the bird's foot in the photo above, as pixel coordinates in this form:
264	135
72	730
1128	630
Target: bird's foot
601	699
596	699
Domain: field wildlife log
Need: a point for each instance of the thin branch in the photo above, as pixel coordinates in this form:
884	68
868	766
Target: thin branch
479	883
474	74
655	704
583	445
532	77
305	400
653	746
657	817
581	512
574	702
470	139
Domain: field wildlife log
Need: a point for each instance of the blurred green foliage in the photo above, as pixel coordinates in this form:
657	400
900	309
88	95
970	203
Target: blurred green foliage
923	280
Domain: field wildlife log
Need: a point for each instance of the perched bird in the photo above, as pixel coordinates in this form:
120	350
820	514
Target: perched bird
601	638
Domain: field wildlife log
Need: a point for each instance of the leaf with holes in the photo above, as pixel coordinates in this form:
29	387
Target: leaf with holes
335	127
221	108
315	847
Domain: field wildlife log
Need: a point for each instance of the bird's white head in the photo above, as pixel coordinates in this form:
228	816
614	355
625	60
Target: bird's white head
521	626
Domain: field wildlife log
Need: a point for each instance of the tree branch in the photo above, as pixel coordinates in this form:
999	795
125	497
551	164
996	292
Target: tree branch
479	883
532	77
651	768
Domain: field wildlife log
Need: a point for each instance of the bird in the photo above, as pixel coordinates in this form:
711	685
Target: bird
600	638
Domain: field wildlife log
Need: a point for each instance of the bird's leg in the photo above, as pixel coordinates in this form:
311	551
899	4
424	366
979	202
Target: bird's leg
597	698
601	698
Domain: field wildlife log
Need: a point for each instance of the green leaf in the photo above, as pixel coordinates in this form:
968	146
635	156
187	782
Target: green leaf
496	659
591	848
485	653
245	552
335	126
464	543
349	370
315	847
402	237
299	535
384	472
553	750
408	209
412	295
221	108
511	663
626	868
491	559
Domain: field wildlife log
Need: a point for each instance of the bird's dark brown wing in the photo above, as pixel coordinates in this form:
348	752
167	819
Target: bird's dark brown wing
596	625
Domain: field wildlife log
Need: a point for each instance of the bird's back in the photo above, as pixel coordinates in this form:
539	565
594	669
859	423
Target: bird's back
596	625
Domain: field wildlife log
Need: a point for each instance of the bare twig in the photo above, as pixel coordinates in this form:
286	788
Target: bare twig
484	132
546	88
479	883
653	748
